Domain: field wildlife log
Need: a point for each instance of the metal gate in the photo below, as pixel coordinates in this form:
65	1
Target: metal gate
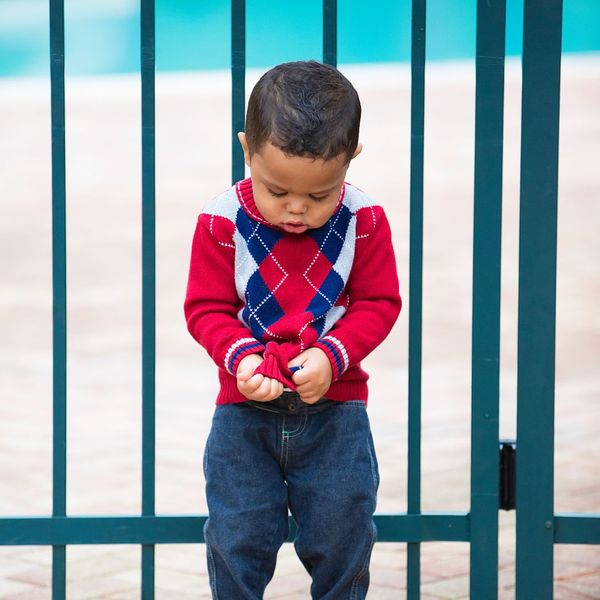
493	480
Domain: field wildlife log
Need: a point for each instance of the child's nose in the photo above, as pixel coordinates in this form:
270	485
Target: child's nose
296	206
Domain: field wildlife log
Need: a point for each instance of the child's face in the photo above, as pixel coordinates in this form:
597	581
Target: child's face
295	193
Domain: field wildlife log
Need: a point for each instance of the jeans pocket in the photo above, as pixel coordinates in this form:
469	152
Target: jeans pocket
205	458
353	403
374	464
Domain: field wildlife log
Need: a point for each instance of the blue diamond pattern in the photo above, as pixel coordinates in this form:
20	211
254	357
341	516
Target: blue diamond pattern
259	319
259	238
319	325
331	288
331	242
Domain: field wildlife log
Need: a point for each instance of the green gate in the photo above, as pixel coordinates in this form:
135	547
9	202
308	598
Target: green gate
493	480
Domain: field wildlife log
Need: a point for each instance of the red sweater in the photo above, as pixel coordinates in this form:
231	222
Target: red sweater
255	289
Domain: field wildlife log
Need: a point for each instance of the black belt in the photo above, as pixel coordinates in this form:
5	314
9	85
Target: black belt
290	403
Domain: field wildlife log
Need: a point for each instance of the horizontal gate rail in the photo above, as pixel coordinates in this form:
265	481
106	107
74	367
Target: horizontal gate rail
577	528
188	529
569	528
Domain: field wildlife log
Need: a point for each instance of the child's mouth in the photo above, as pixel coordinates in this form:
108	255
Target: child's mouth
294	227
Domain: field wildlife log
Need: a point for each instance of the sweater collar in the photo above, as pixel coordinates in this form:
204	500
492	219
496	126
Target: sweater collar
245	196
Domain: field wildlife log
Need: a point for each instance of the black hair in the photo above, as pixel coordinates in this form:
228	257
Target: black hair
304	108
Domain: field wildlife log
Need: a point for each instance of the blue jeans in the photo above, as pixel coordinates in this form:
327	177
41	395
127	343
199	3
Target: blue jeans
317	460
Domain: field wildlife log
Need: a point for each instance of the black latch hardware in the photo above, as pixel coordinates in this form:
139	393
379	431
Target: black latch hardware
508	474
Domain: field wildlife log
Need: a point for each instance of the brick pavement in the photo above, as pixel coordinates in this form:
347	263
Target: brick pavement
104	386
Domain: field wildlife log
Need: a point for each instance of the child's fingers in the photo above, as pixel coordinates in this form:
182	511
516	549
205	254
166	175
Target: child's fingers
298	361
301	376
257	379
305	391
310	399
308	394
276	389
314	393
244	375
253	383
268	390
264	389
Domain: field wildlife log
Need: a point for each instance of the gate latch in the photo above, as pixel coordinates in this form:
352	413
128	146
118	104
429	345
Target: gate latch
508	474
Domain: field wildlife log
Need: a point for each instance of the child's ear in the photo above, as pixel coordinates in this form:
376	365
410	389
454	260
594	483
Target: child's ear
358	150
242	137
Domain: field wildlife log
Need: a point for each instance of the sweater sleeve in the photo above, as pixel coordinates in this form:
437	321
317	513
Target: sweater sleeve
374	299
211	302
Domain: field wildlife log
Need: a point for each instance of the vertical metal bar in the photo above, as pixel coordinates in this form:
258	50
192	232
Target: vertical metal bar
59	288
542	29
148	285
487	239
413	575
238	85
330	32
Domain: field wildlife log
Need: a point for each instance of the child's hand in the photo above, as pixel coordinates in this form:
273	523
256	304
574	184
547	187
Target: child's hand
314	379
256	387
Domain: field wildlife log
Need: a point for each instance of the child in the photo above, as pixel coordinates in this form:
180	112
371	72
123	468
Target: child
292	283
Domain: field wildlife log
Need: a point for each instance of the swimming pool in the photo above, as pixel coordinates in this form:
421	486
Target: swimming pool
102	36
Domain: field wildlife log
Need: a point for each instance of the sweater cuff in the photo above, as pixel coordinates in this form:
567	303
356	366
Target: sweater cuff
238	350
336	353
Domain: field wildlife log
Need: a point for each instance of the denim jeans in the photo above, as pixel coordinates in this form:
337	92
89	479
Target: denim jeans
317	460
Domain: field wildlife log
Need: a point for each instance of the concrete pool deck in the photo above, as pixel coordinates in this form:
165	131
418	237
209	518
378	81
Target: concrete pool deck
104	328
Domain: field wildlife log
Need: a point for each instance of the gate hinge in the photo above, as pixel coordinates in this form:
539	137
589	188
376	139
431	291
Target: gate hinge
508	474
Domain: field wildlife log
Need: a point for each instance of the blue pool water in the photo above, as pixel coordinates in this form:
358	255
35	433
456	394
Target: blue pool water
102	36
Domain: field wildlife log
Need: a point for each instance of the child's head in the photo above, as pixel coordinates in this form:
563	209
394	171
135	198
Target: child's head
305	109
302	128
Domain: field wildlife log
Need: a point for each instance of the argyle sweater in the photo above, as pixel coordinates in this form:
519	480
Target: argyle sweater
256	289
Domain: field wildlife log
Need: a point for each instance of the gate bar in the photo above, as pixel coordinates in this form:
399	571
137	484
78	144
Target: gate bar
537	299
577	528
330	32
59	289
417	120
238	85
487	238
188	529
148	287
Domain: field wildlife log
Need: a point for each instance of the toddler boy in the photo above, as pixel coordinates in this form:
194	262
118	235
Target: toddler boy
292	283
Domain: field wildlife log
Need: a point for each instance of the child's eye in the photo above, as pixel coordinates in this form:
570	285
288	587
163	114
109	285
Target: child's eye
276	194
317	198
